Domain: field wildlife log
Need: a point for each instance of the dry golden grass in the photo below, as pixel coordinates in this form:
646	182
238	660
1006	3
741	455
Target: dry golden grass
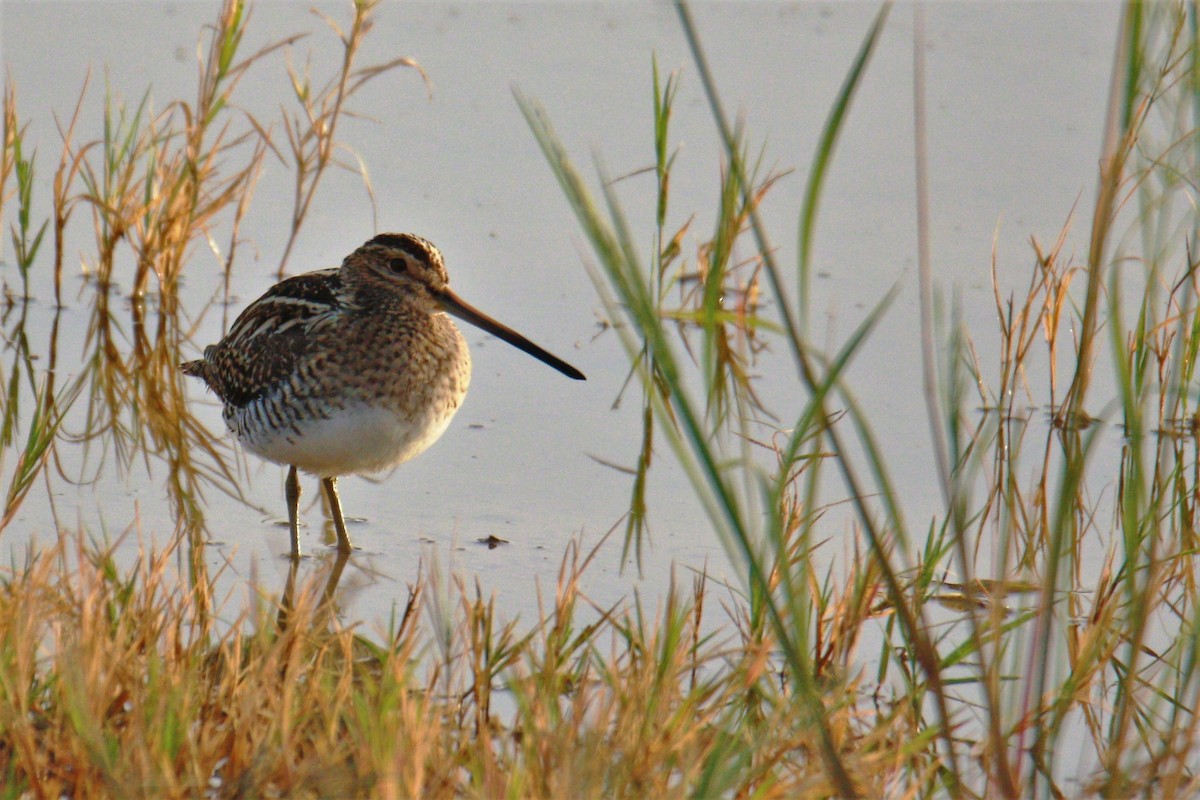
120	682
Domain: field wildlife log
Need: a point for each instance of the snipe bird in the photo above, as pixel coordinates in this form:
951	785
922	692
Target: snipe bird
350	370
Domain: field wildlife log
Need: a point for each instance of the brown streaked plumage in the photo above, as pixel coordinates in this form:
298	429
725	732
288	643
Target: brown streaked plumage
350	370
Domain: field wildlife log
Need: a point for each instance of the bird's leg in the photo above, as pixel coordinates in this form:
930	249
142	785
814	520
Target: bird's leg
291	490
335	511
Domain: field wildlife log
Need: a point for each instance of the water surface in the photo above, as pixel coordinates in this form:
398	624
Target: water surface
1015	96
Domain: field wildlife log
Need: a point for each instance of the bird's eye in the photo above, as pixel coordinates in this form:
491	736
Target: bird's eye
398	265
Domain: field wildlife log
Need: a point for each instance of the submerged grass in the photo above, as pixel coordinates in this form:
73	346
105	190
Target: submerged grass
1035	620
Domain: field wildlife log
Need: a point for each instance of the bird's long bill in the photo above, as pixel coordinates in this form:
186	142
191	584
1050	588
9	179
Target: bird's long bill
453	304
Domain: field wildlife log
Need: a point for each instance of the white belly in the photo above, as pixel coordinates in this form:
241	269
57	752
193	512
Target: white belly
356	439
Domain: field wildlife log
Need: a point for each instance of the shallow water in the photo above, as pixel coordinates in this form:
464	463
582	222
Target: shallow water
1015	98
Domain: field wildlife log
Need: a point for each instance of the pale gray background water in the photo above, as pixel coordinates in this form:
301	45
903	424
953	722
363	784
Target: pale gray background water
1016	97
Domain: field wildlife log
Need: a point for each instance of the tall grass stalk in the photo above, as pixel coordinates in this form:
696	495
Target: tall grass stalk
1036	543
311	131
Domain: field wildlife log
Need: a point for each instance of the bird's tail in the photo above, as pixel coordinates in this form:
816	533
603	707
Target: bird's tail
197	369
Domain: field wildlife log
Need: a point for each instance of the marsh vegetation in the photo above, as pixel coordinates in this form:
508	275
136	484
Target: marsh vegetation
1040	637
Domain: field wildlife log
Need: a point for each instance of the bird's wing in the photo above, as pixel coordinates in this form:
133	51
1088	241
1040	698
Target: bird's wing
272	335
